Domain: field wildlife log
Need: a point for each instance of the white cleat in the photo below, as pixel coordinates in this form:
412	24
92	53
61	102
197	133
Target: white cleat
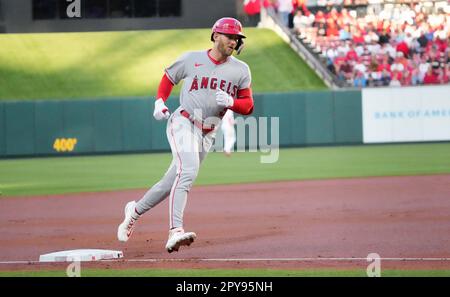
126	228
178	238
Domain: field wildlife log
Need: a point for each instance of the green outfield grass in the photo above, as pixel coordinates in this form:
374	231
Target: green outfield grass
131	63
115	172
226	273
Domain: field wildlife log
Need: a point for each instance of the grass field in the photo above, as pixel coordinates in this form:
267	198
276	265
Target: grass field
225	273
131	63
56	175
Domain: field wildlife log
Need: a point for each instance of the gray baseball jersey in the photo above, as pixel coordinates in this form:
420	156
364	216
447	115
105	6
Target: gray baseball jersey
202	77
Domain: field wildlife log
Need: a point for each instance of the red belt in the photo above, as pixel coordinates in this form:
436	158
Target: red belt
197	123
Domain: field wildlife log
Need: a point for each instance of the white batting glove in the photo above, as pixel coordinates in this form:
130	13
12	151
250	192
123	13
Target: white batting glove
161	111
223	99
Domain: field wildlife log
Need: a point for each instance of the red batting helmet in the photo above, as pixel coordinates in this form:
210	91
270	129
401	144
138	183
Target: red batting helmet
228	26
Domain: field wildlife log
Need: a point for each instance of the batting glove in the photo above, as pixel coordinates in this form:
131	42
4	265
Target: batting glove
223	99
161	111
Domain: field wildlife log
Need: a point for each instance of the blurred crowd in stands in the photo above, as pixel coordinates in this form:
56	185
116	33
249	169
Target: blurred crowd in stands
374	42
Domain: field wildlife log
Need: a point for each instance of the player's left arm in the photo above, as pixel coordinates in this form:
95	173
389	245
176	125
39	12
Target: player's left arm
243	104
243	101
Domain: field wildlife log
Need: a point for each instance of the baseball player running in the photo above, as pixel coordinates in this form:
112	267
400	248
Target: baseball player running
214	81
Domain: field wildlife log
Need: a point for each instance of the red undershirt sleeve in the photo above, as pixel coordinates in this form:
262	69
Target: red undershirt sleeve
165	88
243	104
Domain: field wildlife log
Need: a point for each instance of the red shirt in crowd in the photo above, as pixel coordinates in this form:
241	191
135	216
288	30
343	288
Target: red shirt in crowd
430	78
340	59
320	17
254	6
352	55
397	74
403	47
332	31
382	67
441	45
358	39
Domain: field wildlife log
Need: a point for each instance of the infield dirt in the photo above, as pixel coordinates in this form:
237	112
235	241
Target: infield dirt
282	225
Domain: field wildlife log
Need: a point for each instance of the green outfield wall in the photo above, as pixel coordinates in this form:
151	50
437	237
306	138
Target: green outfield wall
64	127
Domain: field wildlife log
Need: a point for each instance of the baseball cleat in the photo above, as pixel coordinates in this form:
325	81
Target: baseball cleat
178	238
126	228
